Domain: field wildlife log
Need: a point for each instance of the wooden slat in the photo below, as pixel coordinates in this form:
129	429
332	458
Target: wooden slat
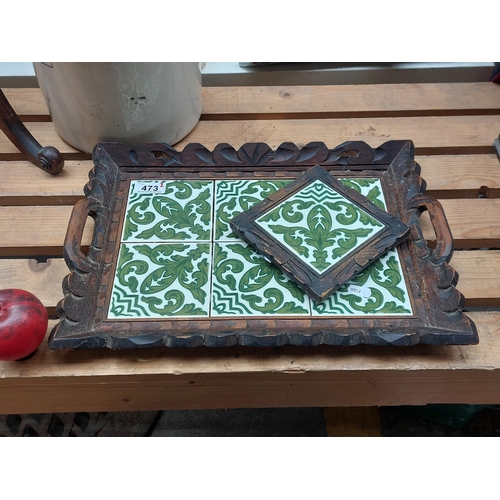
474	223
27	103
238	377
453	176
431	135
56	394
339	100
352	99
479	276
40	230
461	176
36	230
46	135
25	184
479	280
43	279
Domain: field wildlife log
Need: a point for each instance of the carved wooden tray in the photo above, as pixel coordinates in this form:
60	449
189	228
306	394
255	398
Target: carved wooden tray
165	269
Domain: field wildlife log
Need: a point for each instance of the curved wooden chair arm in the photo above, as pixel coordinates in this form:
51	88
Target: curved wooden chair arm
47	158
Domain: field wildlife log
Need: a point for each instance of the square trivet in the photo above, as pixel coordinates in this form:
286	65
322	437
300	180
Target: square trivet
319	232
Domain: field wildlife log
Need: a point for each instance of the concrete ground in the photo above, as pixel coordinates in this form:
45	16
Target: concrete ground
404	421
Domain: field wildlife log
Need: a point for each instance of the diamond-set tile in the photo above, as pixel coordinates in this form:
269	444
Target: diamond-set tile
319	226
180	259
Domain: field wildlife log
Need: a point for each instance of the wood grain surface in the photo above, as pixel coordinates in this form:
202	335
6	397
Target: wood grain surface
284	359
447	176
387	99
104	380
431	134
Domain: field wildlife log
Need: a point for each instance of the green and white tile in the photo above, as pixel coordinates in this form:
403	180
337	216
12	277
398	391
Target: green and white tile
380	290
369	187
320	226
161	280
244	283
169	211
235	196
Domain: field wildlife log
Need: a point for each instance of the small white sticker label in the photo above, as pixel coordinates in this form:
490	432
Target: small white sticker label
149	187
362	291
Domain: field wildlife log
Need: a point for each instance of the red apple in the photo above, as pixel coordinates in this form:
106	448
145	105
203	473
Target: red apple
23	323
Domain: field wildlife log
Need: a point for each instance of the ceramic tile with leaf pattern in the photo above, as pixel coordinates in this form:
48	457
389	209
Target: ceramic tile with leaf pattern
235	196
319	226
245	283
179	258
169	211
162	280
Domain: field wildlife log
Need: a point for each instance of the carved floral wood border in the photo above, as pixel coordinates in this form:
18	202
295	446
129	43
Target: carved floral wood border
83	323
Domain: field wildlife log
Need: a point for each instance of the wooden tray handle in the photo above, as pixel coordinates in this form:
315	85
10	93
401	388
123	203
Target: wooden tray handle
444	238
73	254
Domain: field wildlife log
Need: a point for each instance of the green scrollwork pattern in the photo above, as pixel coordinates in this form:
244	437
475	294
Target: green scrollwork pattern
383	280
234	197
182	212
170	279
369	187
244	281
320	225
